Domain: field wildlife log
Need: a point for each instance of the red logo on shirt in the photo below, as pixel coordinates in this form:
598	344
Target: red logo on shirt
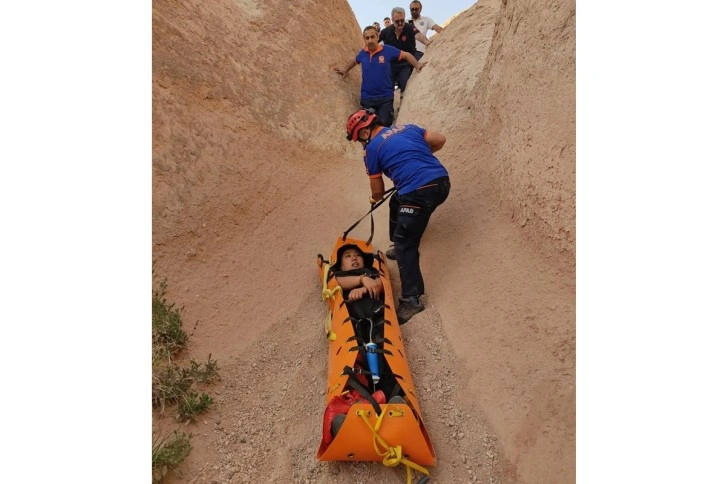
381	59
403	38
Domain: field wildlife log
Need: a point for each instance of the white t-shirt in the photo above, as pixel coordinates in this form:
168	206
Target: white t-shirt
423	24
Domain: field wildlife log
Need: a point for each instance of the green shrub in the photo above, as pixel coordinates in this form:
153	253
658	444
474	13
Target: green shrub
172	383
168	337
192	404
169	383
167	453
209	373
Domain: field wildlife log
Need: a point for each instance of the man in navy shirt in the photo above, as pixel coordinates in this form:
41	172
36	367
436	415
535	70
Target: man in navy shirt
376	89
405	154
403	36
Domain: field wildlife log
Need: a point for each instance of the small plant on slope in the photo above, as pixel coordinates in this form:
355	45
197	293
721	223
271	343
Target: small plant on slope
167	453
175	384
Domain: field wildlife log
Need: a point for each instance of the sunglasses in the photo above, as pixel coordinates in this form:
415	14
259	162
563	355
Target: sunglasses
415	9
399	22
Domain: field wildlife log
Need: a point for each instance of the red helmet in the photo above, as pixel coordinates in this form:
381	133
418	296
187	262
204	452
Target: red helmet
359	120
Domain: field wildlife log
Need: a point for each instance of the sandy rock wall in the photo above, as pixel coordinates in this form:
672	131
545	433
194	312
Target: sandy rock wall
501	84
236	94
230	81
528	127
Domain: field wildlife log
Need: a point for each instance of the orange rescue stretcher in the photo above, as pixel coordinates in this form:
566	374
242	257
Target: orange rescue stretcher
373	427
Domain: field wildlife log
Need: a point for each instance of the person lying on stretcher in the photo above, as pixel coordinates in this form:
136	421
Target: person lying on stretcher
363	293
356	277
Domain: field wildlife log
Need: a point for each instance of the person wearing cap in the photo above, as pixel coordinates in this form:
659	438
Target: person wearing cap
405	154
376	89
362	289
356	275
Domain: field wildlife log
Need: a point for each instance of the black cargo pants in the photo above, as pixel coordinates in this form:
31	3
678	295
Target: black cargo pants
409	217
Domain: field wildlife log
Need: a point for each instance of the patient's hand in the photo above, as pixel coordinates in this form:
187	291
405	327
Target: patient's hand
357	293
374	287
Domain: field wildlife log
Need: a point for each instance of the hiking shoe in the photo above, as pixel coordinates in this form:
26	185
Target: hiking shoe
407	308
397	399
391	253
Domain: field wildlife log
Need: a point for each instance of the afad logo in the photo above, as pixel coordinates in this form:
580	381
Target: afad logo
381	59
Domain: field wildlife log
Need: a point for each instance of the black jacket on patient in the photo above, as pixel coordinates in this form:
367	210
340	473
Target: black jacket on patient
366	307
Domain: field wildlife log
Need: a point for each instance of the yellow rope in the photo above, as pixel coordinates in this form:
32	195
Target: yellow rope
328	323
327	294
392	456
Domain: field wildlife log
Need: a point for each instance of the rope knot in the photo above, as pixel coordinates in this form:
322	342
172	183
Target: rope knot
393	456
329	293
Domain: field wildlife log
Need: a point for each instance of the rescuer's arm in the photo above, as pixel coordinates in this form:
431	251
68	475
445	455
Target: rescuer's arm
377	188
435	140
345	69
412	60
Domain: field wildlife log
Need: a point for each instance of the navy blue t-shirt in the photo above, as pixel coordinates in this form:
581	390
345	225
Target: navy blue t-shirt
376	67
403	155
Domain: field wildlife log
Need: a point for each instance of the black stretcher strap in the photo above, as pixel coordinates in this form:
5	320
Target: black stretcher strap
374	206
353	381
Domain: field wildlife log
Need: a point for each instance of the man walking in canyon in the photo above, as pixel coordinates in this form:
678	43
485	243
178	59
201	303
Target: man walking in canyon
423	24
376	90
402	36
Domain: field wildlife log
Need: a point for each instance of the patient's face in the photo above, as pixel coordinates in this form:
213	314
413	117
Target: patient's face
351	259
